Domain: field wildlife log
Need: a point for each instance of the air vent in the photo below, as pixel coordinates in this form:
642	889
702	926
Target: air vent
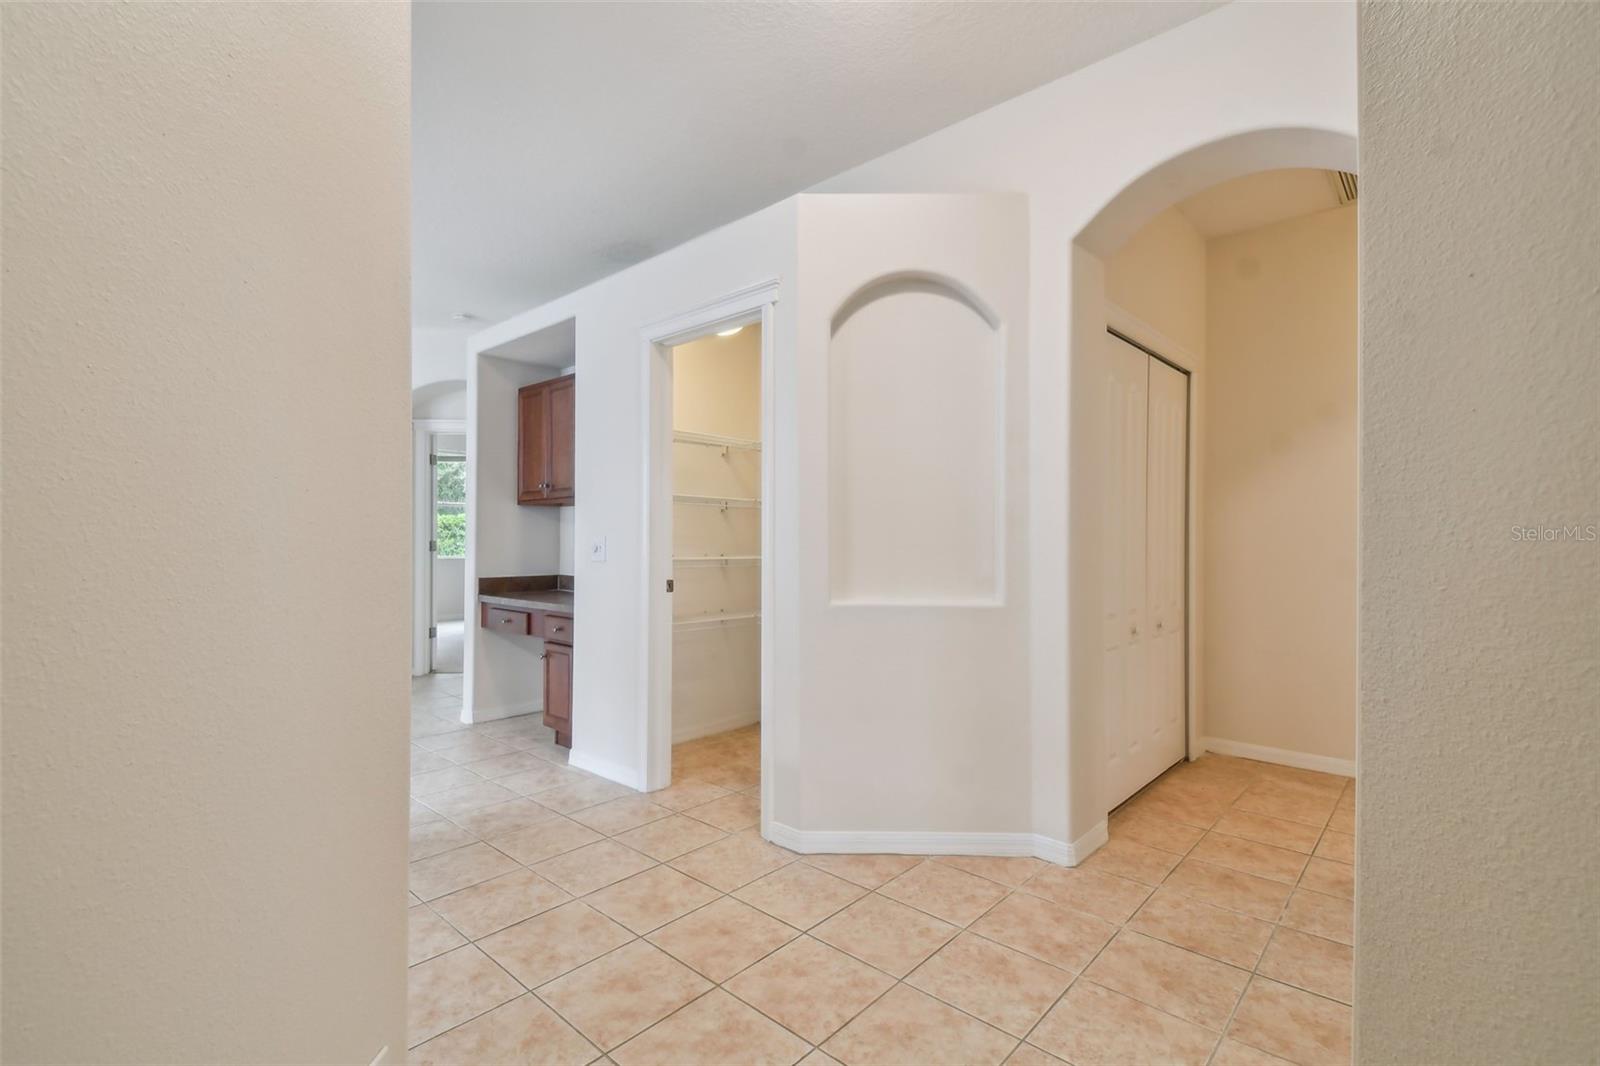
1344	186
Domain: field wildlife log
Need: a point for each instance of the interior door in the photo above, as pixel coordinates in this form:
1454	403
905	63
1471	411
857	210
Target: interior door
533	437
1165	728
1126	674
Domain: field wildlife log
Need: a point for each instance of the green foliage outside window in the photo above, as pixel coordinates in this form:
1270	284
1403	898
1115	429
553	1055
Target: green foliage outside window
450	508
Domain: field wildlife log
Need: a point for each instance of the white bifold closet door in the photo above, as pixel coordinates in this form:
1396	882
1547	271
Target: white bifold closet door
1145	593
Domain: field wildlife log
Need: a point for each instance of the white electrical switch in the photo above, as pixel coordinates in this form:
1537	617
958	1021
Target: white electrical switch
597	550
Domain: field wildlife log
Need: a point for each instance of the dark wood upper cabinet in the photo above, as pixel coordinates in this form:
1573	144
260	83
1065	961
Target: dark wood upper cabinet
546	421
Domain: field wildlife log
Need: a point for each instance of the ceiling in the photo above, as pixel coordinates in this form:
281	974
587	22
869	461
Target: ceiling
1260	199
556	143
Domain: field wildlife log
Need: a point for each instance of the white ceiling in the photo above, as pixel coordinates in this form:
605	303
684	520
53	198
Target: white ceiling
1259	199
555	143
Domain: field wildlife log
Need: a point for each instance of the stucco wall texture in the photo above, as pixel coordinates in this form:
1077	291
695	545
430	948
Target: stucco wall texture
1477	869
206	512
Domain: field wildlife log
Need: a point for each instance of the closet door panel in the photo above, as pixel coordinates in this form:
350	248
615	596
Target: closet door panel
1125	666
1166	540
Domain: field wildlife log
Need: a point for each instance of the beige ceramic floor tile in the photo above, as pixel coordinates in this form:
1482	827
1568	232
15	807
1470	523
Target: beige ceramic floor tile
1339	847
733	861
810	988
1125	858
472	747
1003	987
1193	987
441	874
651	899
723	938
686	794
1009	870
428	935
520	1032
1343	820
1028	1055
945	892
907	1026
544	947
452	988
593	866
670	837
715	1029
1229	889
1047	931
421	814
468	798
1279	799
1279	832
1227	936
1248	856
868	871
620	815
546	839
513	816
1102	895
1326	916
513	762
1330	878
423	761
818	1057
588	792
1094	1025
436	838
434	781
622	993
800	895
882	933
1155	832
730	813
1171	808
1232	1053
1308	962
1292	1024
540	778
498	902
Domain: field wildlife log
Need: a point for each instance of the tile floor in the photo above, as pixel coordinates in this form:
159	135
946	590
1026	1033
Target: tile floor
559	918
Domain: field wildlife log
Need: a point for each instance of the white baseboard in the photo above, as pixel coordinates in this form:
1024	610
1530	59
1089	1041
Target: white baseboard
692	730
606	768
1282	756
893	842
506	710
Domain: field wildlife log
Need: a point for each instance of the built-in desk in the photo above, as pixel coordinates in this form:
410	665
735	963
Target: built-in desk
537	608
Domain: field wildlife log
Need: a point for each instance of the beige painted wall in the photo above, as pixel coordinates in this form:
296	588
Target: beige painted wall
1478	936
205	209
1159	276
1279	511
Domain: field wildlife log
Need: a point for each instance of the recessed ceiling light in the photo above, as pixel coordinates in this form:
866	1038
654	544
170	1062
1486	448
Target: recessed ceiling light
729	332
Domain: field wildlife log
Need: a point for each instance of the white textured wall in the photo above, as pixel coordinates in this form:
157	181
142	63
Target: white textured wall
1280	472
205	209
1476	905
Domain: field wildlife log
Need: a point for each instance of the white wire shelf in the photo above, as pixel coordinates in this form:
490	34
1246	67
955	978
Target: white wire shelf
712	440
716	560
723	502
715	621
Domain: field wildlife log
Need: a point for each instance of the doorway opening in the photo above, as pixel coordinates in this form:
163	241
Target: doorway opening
447	553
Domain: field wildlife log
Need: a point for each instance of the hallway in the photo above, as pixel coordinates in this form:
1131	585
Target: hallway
556	916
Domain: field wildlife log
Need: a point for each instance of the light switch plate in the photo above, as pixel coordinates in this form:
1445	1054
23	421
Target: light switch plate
597	550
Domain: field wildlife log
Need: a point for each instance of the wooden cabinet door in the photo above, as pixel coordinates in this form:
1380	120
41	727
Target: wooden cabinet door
533	436
561	418
558	691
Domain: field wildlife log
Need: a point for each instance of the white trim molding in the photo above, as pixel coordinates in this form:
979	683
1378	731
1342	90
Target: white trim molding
894	842
1300	760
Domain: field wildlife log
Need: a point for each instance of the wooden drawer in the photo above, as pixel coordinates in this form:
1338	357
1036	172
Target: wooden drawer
519	623
555	627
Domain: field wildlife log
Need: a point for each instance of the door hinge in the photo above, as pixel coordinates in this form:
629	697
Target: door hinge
433	545
433	631
433	460
669	584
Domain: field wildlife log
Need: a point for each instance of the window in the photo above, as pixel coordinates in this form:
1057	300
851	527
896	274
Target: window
450	506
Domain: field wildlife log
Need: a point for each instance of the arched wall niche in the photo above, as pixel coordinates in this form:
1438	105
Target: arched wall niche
1143	197
916	490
